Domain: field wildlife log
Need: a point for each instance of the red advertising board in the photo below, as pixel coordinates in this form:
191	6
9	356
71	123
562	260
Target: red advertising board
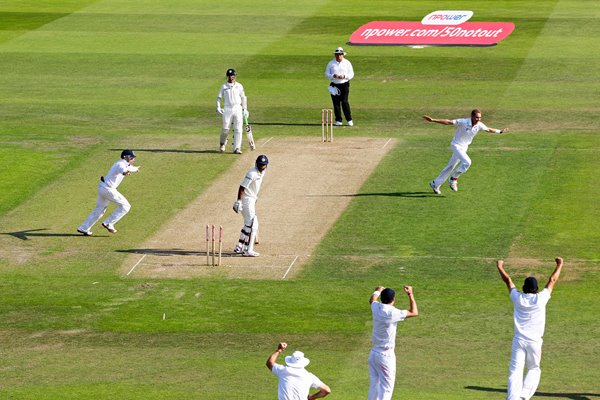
403	33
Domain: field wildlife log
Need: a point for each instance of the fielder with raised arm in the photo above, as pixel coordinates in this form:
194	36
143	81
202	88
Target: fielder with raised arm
382	359
295	381
529	314
246	204
235	109
460	162
108	193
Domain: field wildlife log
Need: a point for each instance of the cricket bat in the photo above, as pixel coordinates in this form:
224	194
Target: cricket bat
249	134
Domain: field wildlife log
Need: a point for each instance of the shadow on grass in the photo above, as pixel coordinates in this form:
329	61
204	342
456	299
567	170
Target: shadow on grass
173	151
26	234
382	194
571	396
174	252
282	124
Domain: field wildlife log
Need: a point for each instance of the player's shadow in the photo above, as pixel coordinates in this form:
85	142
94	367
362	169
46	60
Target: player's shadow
381	194
570	396
284	124
174	252
28	233
173	151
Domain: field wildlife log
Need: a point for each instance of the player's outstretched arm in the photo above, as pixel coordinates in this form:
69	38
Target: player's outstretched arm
437	121
273	357
492	130
413	311
504	275
555	275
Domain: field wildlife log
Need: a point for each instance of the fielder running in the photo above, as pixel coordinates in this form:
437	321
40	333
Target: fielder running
246	204
108	193
460	162
529	323
382	359
234	110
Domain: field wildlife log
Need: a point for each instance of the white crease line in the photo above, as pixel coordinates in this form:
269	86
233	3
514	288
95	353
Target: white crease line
136	264
268	140
289	268
386	143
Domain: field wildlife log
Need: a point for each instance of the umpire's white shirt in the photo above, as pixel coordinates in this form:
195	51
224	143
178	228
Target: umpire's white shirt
295	383
466	131
343	67
385	320
529	314
115	175
231	94
251	182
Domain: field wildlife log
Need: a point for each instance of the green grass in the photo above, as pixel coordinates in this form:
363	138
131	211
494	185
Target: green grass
81	80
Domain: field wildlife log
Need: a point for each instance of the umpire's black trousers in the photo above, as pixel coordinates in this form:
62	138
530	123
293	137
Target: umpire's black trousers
340	102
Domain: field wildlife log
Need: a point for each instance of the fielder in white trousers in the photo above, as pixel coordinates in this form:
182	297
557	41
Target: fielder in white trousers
108	193
466	129
529	315
382	359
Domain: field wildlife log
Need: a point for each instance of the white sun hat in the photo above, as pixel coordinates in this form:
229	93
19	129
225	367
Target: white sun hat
339	50
297	360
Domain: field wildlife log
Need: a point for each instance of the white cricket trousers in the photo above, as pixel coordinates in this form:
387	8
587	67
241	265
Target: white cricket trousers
107	195
234	115
459	163
382	371
250	228
525	354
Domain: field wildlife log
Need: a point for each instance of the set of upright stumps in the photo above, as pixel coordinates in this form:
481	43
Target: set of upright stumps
327	125
211	246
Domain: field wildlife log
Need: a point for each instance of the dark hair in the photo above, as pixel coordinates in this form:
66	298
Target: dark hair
530	285
387	295
475	111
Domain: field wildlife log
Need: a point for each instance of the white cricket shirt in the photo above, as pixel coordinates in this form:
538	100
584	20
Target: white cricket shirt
294	383
529	314
385	321
115	175
231	94
466	131
343	67
252	181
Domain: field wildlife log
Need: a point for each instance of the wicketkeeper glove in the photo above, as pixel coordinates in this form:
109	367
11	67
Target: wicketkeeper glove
237	206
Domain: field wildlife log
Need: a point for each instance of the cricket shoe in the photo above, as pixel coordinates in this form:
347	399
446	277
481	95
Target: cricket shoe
237	151
436	189
250	253
350	123
453	184
239	249
85	232
338	123
109	227
222	148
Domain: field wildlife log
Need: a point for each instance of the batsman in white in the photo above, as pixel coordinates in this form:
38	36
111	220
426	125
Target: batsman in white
235	109
529	315
294	380
246	204
460	162
382	359
107	193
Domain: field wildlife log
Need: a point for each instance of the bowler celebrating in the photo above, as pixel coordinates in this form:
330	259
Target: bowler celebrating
460	162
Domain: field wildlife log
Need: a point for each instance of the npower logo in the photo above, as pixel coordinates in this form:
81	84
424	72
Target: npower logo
439	28
447	17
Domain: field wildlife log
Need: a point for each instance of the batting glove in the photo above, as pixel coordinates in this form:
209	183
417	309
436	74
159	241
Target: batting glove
246	113
219	110
237	206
